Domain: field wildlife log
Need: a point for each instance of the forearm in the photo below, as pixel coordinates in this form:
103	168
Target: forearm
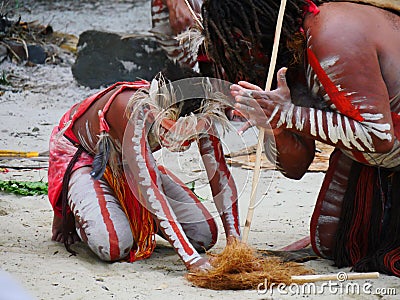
222	184
337	129
292	153
145	180
362	123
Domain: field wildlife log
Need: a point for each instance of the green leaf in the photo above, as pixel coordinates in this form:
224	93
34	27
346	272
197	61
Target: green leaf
24	188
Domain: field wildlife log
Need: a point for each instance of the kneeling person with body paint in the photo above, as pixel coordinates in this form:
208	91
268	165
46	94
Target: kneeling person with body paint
341	88
107	189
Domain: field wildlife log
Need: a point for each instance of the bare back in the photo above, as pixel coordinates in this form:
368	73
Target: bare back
366	42
353	53
87	128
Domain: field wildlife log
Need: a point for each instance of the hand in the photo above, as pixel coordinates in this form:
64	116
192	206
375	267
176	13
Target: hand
202	265
57	232
234	115
243	89
262	108
231	239
180	17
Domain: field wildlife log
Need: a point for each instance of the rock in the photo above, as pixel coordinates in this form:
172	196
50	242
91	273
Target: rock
16	50
36	53
104	58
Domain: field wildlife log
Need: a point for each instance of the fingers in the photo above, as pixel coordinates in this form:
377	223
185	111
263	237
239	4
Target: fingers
244	88
230	113
178	25
202	265
245	105
72	238
59	238
235	115
180	17
235	89
281	78
76	238
244	128
250	86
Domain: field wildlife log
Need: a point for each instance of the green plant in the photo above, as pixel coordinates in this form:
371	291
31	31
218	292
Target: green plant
24	188
4	78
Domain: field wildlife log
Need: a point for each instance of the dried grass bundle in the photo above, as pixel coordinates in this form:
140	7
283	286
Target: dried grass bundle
238	267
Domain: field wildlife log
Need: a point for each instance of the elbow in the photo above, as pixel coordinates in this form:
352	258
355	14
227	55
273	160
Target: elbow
294	170
293	174
384	146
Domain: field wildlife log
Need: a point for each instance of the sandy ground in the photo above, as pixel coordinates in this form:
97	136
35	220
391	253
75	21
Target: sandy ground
45	270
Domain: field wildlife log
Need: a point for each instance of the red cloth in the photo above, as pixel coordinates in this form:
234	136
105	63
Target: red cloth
62	149
85	104
61	153
312	8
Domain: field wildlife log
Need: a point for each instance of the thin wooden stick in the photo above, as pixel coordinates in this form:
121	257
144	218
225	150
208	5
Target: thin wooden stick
341	276
260	142
12	153
195	17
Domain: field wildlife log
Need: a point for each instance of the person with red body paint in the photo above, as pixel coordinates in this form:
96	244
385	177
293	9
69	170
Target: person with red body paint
338	82
176	27
116	208
179	15
171	18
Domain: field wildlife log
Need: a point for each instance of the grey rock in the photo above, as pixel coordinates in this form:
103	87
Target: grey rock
37	54
104	58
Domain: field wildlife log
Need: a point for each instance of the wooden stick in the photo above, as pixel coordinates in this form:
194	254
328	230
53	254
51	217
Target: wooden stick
341	276
195	17
12	153
271	73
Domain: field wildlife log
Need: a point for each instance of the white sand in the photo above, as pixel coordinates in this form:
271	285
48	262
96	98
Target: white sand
45	269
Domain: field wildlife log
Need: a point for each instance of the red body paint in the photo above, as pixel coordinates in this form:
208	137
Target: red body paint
166	209
396	124
338	98
113	237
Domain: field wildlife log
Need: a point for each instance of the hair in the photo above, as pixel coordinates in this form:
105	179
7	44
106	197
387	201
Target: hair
173	72
164	99
228	22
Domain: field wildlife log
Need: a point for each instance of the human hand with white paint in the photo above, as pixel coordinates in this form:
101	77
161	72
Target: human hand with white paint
202	265
267	109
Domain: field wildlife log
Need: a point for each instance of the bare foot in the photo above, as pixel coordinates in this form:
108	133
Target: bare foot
57	232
